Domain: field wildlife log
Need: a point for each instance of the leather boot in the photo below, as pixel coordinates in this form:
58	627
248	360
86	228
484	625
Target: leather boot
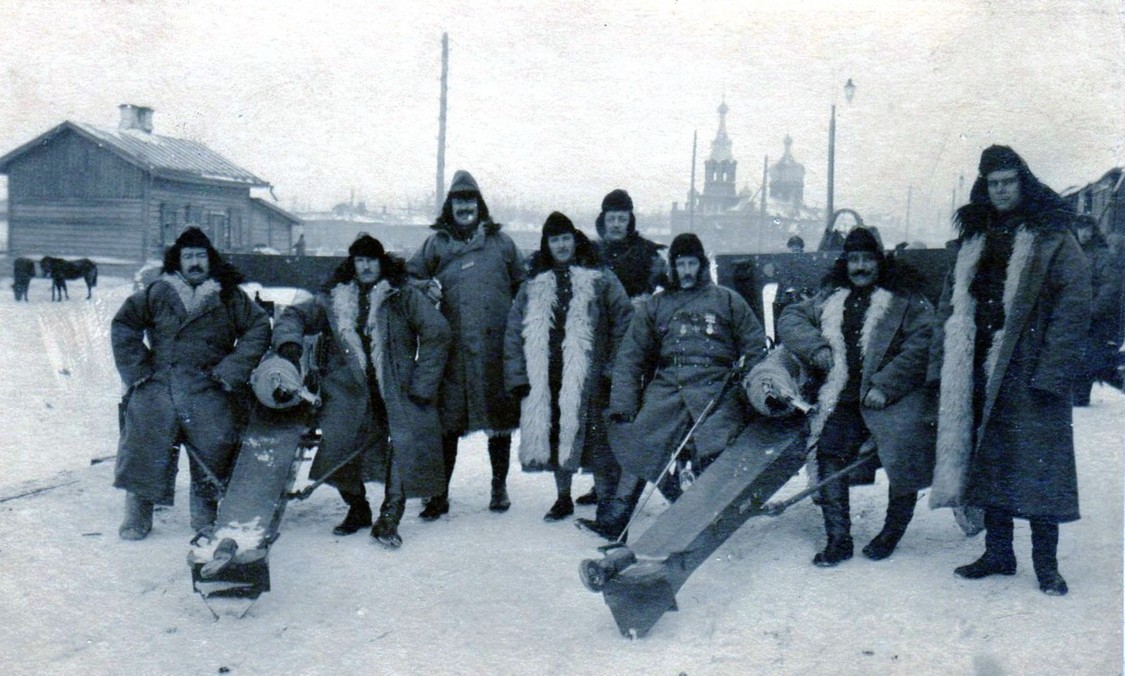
562	508
435	507
359	514
138	518
588	498
900	510
615	517
203	509
385	530
500	456
1044	549
998	557
836	508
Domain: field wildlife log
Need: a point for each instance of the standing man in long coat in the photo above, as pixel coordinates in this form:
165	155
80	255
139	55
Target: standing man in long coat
1102	341
867	334
384	348
204	337
638	265
675	358
477	270
563	332
1007	343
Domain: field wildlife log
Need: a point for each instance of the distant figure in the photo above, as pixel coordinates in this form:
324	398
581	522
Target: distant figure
1099	356
184	346
795	244
1013	315
476	270
23	269
299	247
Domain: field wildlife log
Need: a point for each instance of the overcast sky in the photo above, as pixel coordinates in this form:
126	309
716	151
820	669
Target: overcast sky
554	104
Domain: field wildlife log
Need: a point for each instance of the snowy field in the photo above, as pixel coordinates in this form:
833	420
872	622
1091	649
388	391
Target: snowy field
481	593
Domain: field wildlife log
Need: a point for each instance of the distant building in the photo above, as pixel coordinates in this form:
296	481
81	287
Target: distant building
1103	199
125	193
729	220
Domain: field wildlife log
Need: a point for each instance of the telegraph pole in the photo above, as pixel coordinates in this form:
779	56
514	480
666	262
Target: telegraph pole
439	192
691	197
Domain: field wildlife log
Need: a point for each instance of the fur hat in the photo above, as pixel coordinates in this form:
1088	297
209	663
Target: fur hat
463	183
686	244
862	239
192	237
617	200
557	224
796	240
366	246
999	158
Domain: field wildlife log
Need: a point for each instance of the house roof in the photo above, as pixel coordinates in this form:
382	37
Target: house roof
270	206
163	156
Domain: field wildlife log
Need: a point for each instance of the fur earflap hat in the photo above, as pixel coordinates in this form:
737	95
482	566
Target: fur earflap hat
862	239
192	237
686	244
617	200
999	158
463	183
557	224
366	246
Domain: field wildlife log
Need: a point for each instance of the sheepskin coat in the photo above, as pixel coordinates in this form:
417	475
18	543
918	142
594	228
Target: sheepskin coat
202	344
596	320
479	277
661	394
409	344
894	344
1020	457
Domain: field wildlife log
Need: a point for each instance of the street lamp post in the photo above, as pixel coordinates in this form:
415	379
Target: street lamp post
849	92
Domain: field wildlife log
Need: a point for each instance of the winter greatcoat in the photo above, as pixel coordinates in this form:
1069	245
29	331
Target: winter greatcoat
596	320
683	343
635	261
409	344
478	279
1021	456
202	346
1102	341
894	342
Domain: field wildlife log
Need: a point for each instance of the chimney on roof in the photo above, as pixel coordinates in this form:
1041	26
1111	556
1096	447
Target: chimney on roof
135	117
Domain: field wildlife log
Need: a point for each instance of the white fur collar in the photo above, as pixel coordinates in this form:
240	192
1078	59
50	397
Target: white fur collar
193	297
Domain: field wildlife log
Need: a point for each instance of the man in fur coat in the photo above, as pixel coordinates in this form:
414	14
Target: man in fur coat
1007	342
637	263
868	335
675	358
204	337
563	332
385	346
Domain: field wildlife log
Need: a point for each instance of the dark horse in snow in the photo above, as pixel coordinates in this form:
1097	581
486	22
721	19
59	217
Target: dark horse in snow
23	269
60	270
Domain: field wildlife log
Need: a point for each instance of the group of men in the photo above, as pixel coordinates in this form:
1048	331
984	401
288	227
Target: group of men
610	355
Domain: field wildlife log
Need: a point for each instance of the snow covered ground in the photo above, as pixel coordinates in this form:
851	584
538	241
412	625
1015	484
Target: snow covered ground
480	593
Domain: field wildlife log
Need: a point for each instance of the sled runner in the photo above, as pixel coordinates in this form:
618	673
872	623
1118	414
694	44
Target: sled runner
233	561
639	581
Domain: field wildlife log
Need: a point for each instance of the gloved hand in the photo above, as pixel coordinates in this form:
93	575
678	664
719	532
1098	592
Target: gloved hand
419	400
520	391
823	359
875	399
291	352
432	289
283	396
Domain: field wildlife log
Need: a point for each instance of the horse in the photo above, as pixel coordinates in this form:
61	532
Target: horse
60	270
23	270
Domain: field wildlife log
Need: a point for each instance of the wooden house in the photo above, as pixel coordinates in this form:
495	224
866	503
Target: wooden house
125	194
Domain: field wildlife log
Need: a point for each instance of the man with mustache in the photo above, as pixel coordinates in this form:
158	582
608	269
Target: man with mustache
384	348
184	346
1007	346
867	336
478	270
675	357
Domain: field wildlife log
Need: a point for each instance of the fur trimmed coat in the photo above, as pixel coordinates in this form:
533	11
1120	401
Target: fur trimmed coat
478	278
199	349
409	344
656	388
1021	457
895	343
596	321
